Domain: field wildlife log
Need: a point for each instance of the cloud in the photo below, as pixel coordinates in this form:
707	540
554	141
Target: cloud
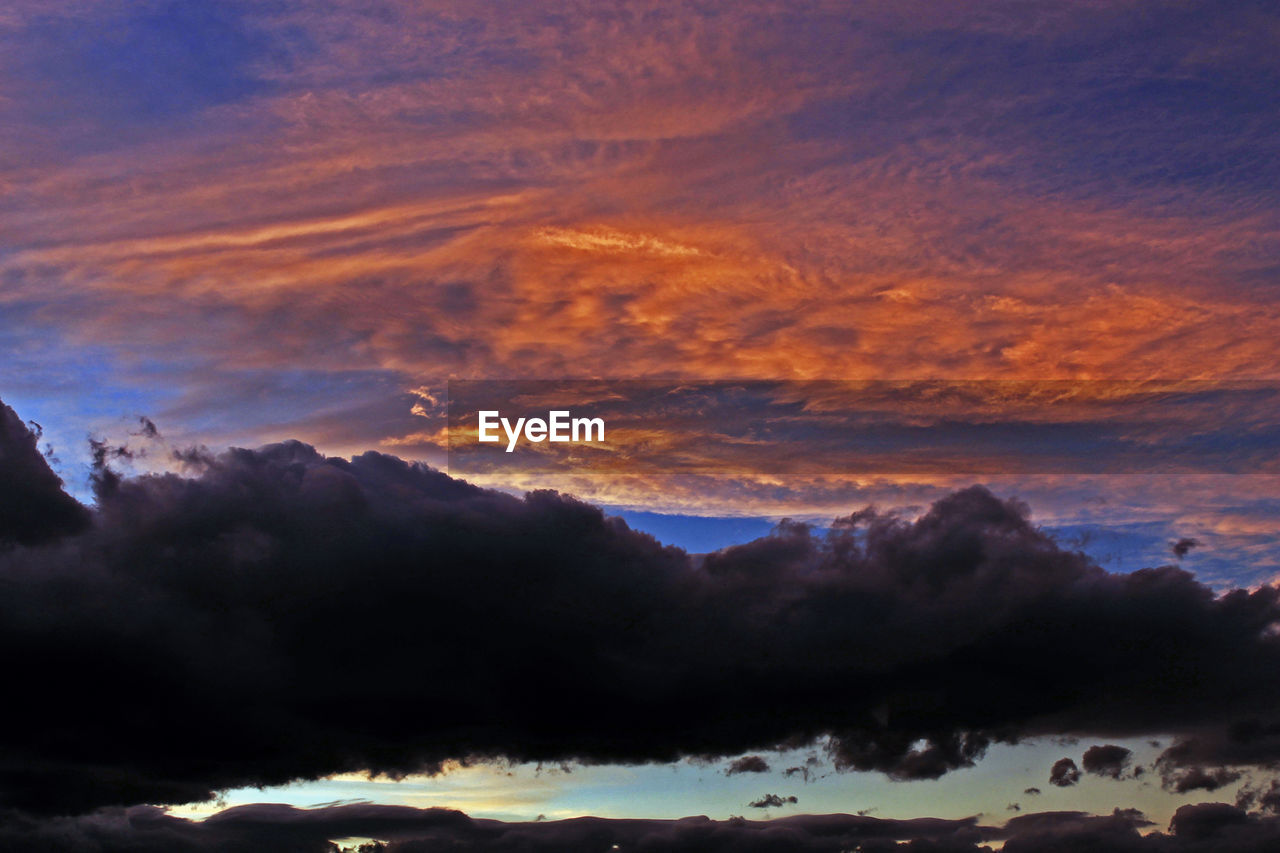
1265	799
33	507
1197	778
1107	760
1182	547
1205	760
807	771
409	830
747	764
731	190
1203	828
247	601
1064	773
1207	821
147	428
772	801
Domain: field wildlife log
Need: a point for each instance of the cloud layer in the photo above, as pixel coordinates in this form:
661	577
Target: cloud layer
701	190
278	615
1205	828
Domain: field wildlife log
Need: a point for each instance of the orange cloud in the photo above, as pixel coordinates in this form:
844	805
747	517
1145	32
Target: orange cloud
630	191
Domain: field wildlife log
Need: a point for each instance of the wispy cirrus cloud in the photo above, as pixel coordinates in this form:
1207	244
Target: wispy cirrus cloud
1025	193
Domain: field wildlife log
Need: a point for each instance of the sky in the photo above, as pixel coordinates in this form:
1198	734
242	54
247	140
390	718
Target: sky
936	345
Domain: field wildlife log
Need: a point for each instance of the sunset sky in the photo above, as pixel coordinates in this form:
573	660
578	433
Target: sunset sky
948	331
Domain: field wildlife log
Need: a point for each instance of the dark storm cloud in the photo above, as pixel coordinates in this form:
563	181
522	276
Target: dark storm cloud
1107	760
1064	773
33	507
280	615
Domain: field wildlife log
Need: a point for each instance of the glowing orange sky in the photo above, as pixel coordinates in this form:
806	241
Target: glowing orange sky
618	192
419	192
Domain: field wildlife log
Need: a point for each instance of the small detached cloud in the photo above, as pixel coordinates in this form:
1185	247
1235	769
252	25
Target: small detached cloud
773	801
1109	760
1183	546
1064	773
747	764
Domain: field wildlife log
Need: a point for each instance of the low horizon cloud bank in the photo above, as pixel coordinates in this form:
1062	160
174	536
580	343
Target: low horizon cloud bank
277	615
1203	828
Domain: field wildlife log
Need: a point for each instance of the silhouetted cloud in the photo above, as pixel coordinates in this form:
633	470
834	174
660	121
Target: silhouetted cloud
1197	778
1203	828
1064	773
1183	546
747	764
1248	739
772	801
33	507
1107	760
243	602
1264	798
408	830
